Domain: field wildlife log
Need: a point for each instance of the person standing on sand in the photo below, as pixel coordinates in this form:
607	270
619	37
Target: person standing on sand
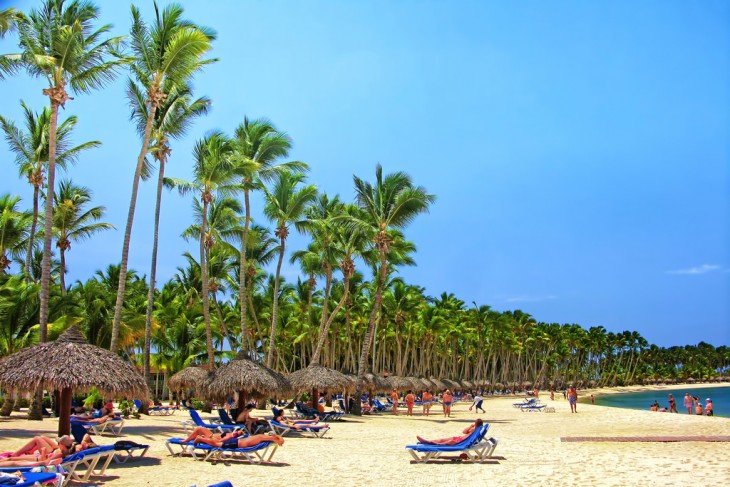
709	410
572	395
672	405
699	410
426	399
552	395
394	400
447	400
410	400
688	402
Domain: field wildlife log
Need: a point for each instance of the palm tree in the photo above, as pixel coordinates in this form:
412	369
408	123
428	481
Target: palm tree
58	42
31	155
257	146
8	19
13	230
393	202
173	119
73	222
165	57
213	174
285	204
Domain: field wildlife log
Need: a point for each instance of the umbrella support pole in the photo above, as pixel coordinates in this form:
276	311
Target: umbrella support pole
64	420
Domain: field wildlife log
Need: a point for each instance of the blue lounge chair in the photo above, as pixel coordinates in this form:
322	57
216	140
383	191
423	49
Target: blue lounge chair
225	483
114	426
199	451
257	454
315	430
475	448
199	422
29	478
526	402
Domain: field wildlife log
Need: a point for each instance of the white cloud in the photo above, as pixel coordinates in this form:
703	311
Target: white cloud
703	269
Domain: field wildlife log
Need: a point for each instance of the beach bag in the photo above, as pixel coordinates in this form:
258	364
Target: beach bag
126	444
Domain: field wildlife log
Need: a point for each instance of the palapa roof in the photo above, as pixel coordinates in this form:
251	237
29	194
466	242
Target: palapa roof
316	376
399	382
71	362
437	384
373	382
466	383
243	374
451	384
189	378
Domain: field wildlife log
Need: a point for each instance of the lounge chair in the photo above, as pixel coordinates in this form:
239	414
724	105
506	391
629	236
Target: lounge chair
379	406
315	430
257	454
309	412
225	483
198	421
200	451
475	447
114	426
526	402
29	478
123	450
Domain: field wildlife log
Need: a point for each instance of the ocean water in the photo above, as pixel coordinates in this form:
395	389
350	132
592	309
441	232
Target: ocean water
643	400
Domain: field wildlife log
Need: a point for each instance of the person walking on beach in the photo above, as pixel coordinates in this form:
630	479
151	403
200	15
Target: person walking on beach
447	400
572	395
394	400
426	399
477	404
672	405
688	404
410	400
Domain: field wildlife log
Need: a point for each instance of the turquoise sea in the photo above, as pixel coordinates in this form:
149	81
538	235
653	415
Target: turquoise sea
643	400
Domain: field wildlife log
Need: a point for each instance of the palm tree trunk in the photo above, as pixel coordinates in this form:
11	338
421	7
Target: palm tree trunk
63	272
153	275
48	227
128	231
242	274
31	237
204	278
326	326
275	307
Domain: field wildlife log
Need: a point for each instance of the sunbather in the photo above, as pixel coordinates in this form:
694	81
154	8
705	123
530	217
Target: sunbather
201	432
454	439
227	439
88	418
41	450
251	422
298	424
247	441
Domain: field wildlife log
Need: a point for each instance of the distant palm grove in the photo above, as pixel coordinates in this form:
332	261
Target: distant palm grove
349	310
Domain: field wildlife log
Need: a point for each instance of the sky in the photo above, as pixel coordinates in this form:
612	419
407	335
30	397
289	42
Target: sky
578	150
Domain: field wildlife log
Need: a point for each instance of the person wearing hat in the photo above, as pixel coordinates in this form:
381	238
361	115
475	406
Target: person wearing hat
709	411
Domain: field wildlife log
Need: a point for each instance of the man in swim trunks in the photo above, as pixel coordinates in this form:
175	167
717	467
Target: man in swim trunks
410	400
709	409
572	398
447	399
688	403
394	400
426	399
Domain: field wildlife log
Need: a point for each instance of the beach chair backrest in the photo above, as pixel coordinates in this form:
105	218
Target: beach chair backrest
196	418
137	403
78	431
225	418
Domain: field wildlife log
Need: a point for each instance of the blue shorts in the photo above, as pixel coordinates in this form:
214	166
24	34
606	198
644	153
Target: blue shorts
447	403
572	400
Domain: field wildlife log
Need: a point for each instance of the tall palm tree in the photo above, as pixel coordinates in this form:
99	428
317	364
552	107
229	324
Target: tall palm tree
393	202
59	43
31	155
213	174
165	57
8	19
285	204
173	118
14	225
257	147
74	222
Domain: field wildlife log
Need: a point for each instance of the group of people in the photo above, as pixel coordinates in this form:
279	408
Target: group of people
44	450
427	399
691	403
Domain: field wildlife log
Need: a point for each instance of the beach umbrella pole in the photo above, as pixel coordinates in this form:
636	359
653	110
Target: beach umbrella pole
64	419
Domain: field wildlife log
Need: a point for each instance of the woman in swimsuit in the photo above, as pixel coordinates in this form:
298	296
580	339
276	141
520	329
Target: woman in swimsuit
454	439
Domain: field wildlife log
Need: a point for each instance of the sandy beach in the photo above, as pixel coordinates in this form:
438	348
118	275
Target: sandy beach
369	450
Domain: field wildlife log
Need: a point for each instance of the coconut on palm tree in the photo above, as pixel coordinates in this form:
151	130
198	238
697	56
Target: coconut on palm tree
31	155
58	41
73	222
166	56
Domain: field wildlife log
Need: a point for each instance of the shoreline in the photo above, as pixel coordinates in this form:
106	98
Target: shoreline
604	391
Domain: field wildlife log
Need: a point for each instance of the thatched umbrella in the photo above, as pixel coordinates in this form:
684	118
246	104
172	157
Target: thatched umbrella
426	384
451	384
398	382
71	363
316	377
437	384
467	384
374	383
189	378
243	375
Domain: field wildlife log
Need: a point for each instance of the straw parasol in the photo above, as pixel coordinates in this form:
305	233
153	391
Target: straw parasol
373	382
189	378
244	375
317	378
451	384
398	382
467	384
70	363
437	384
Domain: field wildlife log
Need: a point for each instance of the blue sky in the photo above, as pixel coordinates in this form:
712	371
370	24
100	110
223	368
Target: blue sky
579	150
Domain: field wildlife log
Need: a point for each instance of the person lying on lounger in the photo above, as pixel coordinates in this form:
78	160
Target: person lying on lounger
454	439
201	432
41	450
298	424
251	422
88	418
242	441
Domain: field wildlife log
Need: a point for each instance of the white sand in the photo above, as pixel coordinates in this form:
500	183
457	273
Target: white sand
369	450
